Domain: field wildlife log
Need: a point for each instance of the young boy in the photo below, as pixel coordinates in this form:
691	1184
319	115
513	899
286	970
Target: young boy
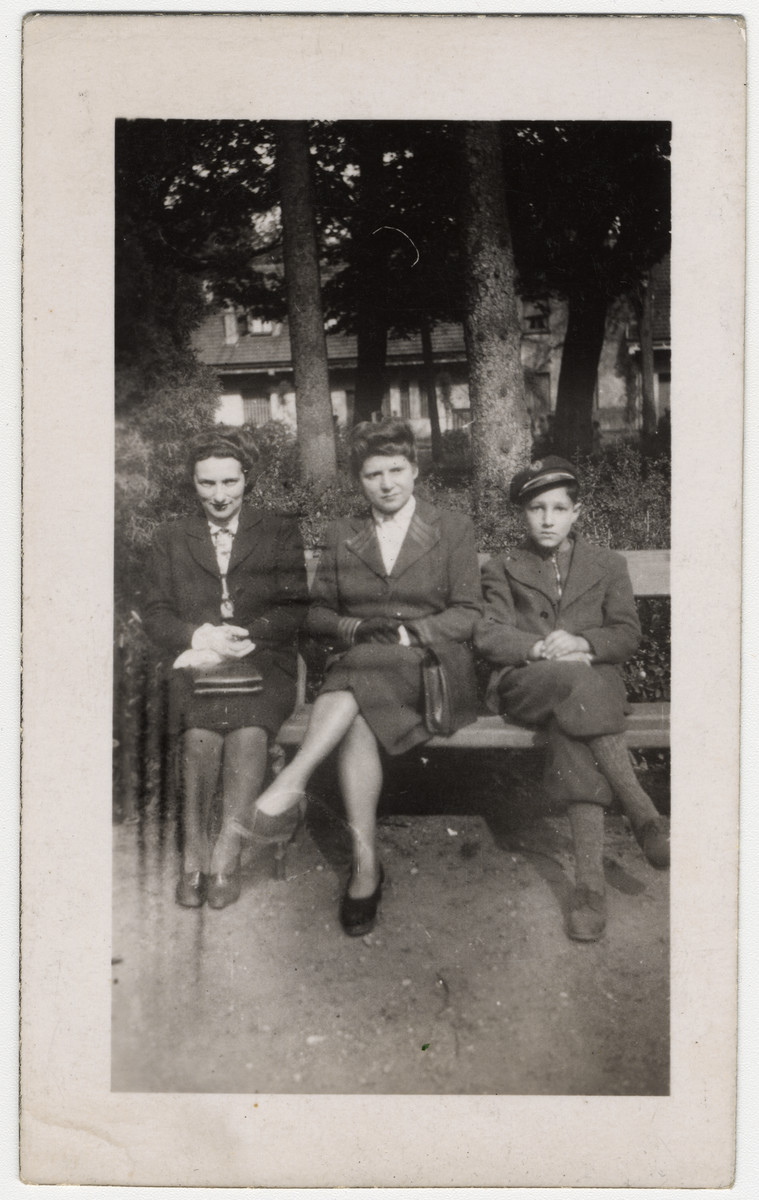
559	621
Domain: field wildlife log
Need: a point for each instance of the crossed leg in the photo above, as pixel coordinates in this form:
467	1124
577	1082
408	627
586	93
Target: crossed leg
332	715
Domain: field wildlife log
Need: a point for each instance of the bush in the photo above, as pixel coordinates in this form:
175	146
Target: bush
625	505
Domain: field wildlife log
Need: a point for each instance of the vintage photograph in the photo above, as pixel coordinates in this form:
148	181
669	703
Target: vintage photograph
392	623
383	385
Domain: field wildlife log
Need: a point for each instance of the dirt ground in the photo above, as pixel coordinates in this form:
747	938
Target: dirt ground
468	983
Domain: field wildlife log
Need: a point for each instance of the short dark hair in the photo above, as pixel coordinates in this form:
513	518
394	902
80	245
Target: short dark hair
382	437
224	441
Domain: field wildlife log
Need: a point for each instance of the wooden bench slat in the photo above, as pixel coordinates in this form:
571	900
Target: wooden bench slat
647	727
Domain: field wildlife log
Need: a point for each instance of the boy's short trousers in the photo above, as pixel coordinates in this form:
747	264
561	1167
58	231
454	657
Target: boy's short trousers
573	702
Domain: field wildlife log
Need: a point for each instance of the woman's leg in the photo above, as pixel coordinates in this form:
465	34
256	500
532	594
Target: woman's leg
360	774
201	760
244	767
332	715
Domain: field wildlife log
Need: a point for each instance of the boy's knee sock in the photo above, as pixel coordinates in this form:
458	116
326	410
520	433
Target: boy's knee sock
613	758
587	824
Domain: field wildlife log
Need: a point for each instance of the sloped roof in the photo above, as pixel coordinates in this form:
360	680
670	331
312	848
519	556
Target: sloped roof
262	351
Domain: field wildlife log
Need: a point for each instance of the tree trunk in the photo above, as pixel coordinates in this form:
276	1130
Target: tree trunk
371	351
500	421
370	256
316	428
573	424
428	372
646	334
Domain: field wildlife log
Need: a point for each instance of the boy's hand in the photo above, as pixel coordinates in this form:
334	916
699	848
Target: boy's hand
537	652
560	643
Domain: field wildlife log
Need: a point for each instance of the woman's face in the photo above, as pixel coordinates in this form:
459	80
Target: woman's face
220	484
388	482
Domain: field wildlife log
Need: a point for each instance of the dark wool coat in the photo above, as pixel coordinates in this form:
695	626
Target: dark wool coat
267	582
521	604
575	702
433	589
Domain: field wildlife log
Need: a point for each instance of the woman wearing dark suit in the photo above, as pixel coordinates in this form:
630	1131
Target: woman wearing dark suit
226	586
388	585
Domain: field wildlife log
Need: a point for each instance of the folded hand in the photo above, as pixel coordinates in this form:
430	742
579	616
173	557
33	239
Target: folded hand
383	630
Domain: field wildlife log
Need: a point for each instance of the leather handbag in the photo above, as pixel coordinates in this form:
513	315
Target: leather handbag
450	687
233	678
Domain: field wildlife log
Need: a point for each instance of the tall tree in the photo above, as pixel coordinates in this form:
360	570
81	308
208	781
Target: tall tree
500	419
644	309
315	423
387	195
589	203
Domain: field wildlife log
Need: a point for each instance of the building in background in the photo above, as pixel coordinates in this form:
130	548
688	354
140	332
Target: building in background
253	360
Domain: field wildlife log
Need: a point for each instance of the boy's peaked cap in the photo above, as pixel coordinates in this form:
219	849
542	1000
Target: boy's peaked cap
542	474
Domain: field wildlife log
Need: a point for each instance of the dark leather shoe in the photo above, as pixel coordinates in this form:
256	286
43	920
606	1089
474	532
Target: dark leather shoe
358	916
224	889
587	914
191	889
653	839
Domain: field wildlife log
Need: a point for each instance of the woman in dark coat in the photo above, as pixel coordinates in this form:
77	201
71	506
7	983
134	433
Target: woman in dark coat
388	585
227	592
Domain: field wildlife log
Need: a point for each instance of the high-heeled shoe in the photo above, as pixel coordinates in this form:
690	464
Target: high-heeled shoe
358	915
266	829
224	888
277	831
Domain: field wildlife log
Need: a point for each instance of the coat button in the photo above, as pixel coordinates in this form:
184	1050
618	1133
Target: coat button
544	615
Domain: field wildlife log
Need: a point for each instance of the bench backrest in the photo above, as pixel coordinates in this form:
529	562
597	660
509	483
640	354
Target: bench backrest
649	570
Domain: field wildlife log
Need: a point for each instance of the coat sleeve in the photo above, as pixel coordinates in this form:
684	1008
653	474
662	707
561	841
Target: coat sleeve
163	625
281	620
619	635
324	619
497	636
456	622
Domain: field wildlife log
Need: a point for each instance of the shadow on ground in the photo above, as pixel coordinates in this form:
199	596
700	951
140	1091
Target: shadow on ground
468	984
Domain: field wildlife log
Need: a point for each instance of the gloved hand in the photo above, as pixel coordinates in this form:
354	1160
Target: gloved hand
378	629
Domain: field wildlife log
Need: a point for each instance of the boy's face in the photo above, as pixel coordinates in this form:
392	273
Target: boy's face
549	517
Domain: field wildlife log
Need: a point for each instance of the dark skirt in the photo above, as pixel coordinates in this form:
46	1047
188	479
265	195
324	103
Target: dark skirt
267	709
387	684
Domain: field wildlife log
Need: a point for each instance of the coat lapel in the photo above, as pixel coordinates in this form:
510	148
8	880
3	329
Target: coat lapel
524	566
363	543
423	533
246	539
200	545
585	570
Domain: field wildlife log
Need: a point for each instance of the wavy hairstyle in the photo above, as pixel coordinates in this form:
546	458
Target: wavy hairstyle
224	441
383	437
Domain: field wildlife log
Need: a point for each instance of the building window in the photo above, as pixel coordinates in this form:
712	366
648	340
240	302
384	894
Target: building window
256	410
534	317
258	327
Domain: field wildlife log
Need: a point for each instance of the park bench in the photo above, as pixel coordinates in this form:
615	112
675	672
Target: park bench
647	725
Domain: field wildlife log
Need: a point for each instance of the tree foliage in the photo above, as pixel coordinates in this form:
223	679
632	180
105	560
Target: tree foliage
590	208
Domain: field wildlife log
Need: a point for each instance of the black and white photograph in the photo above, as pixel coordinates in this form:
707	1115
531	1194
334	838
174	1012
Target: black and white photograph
391	692
391	764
